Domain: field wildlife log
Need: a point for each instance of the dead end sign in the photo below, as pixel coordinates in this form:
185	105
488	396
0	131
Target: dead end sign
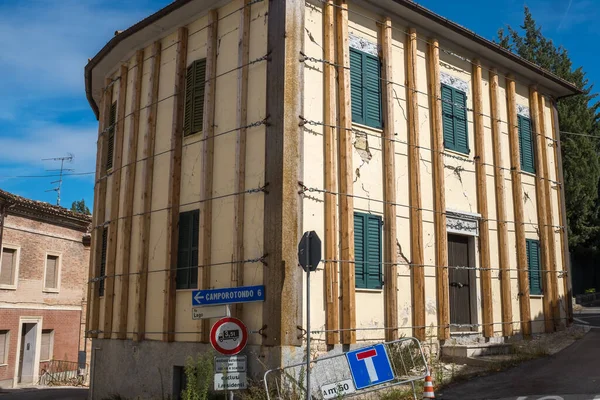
229	336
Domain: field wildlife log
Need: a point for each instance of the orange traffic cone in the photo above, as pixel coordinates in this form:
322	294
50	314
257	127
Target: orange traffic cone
428	388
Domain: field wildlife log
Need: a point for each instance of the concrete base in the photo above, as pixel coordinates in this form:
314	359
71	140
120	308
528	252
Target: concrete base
152	369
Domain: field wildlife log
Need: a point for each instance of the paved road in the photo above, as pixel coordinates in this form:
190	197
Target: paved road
572	374
44	394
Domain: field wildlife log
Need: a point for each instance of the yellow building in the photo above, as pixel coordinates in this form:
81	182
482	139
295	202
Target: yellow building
423	155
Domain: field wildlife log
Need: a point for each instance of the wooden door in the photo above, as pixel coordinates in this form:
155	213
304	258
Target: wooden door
460	282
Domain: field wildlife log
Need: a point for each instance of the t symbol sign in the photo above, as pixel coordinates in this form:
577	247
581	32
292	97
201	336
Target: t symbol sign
370	366
367	357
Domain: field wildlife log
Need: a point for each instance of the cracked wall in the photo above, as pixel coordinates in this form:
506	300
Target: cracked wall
191	171
459	171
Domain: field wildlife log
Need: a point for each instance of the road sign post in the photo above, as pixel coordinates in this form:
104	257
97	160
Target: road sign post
309	256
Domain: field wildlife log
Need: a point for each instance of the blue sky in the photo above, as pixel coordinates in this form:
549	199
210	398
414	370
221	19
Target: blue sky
45	45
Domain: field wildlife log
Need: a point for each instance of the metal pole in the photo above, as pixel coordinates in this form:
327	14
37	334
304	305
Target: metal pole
308	396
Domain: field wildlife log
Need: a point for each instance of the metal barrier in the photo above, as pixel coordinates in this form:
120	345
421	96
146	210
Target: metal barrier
59	372
328	373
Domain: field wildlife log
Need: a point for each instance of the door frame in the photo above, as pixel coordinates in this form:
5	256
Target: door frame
473	286
38	346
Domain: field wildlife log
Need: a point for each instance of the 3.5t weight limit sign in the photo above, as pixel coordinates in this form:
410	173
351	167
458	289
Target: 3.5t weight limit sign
229	336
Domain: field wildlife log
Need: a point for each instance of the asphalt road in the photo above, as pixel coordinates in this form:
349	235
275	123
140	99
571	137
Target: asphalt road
44	394
572	374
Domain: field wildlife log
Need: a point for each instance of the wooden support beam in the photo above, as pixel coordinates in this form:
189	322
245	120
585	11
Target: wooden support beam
416	214
93	312
208	150
174	186
542	137
129	185
390	256
501	224
143	257
113	227
346	202
439	191
237	273
329	132
517	191
482	206
282	309
562	212
537	132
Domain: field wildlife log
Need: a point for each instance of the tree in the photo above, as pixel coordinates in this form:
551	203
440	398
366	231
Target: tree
80	207
578	114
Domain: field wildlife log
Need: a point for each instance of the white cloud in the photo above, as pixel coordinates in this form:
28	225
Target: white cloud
43	140
46	44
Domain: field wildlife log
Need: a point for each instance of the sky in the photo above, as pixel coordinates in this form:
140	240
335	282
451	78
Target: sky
45	45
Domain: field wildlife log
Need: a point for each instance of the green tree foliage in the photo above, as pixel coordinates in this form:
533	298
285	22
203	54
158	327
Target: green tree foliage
578	114
80	207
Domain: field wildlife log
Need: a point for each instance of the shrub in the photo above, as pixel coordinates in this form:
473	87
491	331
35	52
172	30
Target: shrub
199	377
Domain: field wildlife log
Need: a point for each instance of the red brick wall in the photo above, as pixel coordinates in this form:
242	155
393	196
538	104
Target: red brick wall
66	326
32	262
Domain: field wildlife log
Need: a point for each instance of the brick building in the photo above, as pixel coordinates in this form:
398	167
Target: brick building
43	274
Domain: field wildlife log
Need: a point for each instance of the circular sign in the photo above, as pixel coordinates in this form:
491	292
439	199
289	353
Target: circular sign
228	336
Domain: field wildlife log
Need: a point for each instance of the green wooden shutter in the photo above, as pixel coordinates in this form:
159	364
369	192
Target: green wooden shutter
365	87
372	91
526	145
112	119
189	93
199	86
195	81
103	262
448	117
359	250
454	119
533	265
356	86
367	251
373	267
187	250
461	137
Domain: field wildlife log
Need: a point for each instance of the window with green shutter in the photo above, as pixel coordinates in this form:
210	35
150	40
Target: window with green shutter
454	118
112	120
367	251
526	145
533	265
103	262
187	256
195	79
365	85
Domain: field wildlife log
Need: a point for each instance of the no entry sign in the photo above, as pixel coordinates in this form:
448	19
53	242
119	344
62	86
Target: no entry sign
229	336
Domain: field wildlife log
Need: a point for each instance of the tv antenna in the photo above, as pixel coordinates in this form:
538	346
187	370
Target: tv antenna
62	169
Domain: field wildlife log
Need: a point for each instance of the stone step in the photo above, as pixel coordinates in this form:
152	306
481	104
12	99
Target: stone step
476	349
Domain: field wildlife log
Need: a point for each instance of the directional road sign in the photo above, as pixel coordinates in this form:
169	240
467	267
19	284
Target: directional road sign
370	366
242	294
207	312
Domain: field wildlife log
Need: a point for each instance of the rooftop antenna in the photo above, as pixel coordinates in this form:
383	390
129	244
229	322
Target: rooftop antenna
62	169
